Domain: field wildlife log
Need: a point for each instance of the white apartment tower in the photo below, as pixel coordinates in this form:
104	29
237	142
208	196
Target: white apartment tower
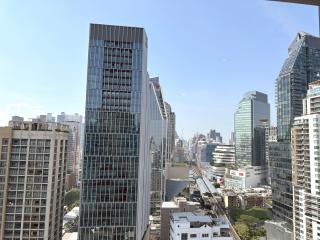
305	151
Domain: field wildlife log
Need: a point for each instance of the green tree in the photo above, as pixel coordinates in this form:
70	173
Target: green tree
71	197
235	213
247	219
257	233
75	204
243	231
72	226
260	213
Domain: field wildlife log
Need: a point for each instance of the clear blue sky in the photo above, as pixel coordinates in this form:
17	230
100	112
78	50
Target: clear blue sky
208	53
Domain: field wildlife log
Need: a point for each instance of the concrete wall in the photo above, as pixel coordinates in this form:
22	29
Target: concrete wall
178	172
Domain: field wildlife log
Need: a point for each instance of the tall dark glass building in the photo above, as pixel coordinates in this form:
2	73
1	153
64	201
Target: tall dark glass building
299	69
252	110
115	188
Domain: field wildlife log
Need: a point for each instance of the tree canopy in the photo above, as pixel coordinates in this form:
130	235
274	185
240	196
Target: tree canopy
71	197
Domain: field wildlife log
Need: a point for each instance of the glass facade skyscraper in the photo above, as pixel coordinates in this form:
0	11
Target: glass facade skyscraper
158	140
115	187
299	69
158	153
171	131
252	110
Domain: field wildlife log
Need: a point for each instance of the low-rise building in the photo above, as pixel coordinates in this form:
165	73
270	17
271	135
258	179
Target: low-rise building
231	200
247	177
249	200
70	236
179	204
188	225
254	197
70	216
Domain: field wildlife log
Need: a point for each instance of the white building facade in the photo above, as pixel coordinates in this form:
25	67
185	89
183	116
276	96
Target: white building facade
305	145
222	155
248	177
187	225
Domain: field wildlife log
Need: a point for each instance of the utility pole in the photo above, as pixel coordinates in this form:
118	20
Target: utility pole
306	2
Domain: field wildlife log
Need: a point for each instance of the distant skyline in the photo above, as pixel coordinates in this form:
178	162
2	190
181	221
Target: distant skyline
206	53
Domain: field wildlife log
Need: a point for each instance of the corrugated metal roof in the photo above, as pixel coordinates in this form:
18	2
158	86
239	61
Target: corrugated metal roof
202	186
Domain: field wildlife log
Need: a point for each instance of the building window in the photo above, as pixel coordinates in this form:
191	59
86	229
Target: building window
205	235
5	141
184	236
193	235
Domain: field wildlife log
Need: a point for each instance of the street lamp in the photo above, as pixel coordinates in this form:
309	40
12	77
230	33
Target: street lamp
307	2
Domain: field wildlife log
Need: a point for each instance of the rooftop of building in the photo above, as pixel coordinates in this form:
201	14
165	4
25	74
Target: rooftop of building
280	224
176	201
170	204
18	123
314	84
314	88
70	236
310	39
260	96
190	217
73	213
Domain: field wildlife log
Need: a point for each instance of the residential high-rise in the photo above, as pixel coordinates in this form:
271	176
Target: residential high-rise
249	134
270	137
32	176
75	146
115	184
299	69
305	145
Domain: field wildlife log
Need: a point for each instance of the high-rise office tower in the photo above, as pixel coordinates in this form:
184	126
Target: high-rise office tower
214	136
115	184
232	139
75	146
32	176
305	145
249	147
299	69
171	131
